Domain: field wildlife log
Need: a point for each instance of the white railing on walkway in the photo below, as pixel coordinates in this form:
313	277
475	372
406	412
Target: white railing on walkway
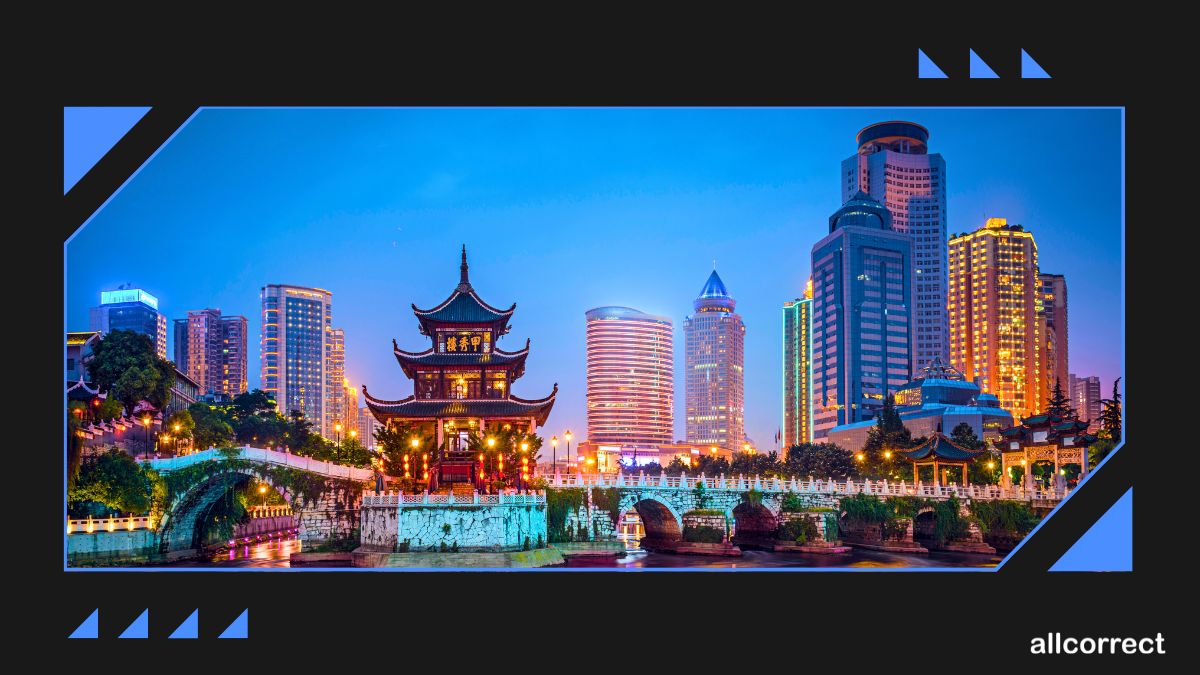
798	486
269	457
272	511
92	525
396	498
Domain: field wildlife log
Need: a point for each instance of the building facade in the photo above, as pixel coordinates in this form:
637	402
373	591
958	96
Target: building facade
894	166
134	310
1054	333
714	337
296	325
1086	399
797	369
335	384
630	377
211	350
367	426
996	315
862	315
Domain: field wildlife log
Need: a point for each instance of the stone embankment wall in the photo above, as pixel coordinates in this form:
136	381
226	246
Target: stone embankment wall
425	527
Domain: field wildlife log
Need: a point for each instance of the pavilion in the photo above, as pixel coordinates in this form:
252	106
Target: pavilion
940	452
1046	438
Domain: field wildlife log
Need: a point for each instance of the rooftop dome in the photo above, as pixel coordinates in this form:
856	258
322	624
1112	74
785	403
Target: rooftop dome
714	296
861	210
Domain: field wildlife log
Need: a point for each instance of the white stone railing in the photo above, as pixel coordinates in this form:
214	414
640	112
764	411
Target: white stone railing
272	511
396	498
798	486
269	457
93	525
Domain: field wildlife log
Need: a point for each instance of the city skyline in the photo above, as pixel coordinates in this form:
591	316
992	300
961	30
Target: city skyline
550	226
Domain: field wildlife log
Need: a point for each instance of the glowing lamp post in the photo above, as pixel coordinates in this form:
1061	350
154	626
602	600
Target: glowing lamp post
570	465
146	424
554	454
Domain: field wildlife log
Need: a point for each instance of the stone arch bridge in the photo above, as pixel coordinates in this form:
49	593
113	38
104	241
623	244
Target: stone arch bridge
661	501
331	514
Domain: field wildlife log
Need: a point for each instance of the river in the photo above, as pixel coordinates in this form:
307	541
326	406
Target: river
275	553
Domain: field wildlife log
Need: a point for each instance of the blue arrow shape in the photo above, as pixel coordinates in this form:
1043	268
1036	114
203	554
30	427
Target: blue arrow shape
979	69
89	133
1031	69
188	630
89	629
139	629
1107	546
926	68
237	629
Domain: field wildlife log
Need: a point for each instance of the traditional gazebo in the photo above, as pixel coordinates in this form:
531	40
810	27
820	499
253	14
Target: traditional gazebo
939	451
1047	438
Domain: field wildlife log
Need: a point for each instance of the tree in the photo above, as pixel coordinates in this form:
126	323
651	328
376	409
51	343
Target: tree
116	481
1110	414
211	429
109	409
821	461
395	441
124	364
881	459
964	435
180	424
297	431
1099	450
676	467
755	464
1059	404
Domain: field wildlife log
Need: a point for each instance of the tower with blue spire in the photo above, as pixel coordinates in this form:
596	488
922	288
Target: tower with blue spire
714	379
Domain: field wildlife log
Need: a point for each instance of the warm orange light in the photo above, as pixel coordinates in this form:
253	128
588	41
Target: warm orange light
524	447
860	457
991	465
415	443
353	433
567	435
491	441
176	428
887	454
554	441
337	427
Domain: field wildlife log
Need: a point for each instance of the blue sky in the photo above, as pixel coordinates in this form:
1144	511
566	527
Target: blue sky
563	210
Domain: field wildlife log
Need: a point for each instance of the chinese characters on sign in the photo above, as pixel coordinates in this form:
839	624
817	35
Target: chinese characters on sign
466	342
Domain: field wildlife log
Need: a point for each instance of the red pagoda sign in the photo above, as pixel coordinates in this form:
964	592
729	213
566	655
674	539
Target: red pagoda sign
462	385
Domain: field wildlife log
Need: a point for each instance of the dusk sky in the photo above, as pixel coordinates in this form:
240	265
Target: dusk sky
563	210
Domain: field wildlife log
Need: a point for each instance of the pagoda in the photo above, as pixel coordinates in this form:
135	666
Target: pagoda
462	385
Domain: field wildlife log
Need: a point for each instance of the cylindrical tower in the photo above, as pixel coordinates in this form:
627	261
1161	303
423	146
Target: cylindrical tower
630	377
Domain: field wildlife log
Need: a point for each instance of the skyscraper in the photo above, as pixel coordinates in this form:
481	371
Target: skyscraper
797	369
131	309
714	339
367	426
335	383
211	349
1054	332
1085	398
861	314
893	165
296	326
996	314
630	377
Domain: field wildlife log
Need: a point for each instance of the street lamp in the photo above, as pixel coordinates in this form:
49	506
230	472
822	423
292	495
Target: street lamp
554	454
338	428
262	490
568	437
175	449
146	424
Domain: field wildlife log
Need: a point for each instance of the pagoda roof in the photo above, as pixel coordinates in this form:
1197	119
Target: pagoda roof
411	361
464	306
412	407
940	447
1054	426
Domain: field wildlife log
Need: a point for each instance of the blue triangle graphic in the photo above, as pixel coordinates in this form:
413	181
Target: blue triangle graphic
926	68
1107	546
1031	69
237	629
188	629
979	69
89	133
140	628
89	629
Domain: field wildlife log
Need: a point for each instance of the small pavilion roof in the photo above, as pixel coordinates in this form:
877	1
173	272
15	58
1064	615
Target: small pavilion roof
940	446
412	361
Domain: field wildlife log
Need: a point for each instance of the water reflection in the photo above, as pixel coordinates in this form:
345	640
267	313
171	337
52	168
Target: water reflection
267	553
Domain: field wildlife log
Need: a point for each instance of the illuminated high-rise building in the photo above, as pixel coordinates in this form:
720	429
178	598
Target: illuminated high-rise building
714	340
797	369
1054	334
296	329
996	314
630	377
1085	398
134	310
335	383
367	426
211	349
861	315
894	166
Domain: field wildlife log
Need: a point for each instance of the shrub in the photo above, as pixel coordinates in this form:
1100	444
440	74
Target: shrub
703	534
799	530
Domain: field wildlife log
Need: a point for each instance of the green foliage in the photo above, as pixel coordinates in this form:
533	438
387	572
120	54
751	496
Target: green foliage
752	496
831	527
396	440
651	469
1059	403
705	512
949	524
755	464
881	457
124	364
1110	414
701	494
907	507
676	468
1003	517
819	460
115	480
210	430
109	409
799	530
866	509
703	534
791	503
559	503
1099	450
608	499
964	435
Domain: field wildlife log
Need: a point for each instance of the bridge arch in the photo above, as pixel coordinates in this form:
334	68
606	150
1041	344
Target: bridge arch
660	519
753	523
184	525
